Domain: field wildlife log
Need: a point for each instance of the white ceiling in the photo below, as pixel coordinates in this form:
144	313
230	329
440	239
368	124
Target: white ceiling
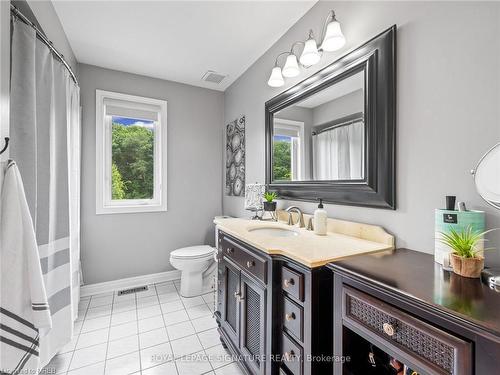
346	86
177	40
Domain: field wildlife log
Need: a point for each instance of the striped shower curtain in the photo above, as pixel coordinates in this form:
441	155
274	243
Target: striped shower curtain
45	143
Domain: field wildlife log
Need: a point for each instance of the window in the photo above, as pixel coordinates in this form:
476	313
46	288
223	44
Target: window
288	152
131	153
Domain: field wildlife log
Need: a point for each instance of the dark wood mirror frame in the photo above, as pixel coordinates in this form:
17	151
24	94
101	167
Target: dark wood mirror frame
377	58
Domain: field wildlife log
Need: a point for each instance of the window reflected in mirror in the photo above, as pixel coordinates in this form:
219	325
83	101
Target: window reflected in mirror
322	137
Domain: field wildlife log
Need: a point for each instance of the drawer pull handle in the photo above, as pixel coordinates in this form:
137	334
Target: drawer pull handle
289	355
290	316
229	250
389	329
250	264
288	282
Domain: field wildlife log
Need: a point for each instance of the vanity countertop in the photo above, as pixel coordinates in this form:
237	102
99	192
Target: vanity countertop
414	275
344	239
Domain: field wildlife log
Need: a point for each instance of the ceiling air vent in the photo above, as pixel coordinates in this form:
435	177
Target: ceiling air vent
213	77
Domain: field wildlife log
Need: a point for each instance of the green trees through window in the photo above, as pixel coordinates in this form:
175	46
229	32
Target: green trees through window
282	158
132	150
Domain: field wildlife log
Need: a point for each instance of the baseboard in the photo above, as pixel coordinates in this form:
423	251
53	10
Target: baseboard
129	282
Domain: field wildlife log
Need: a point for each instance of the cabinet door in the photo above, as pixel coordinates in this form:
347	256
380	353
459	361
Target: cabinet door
253	320
229	303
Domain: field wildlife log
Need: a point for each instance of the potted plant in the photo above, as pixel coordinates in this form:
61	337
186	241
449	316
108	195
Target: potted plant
269	204
466	257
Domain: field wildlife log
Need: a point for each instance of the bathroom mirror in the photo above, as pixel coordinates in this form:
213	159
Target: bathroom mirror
332	135
487	176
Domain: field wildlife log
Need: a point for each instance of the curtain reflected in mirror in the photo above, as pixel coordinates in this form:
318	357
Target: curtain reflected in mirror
322	137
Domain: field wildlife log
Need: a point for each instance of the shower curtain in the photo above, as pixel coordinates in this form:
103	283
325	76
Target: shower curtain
45	143
339	153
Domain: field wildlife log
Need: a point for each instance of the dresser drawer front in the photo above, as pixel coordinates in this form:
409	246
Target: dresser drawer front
432	348
292	355
293	318
249	262
292	282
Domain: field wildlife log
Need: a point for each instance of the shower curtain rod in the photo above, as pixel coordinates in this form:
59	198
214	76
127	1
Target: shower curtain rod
357	119
16	13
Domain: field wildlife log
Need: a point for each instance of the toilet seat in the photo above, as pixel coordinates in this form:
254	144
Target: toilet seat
193	252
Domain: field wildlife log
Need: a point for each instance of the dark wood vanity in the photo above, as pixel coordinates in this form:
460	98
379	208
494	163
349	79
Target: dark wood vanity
406	305
281	317
271	309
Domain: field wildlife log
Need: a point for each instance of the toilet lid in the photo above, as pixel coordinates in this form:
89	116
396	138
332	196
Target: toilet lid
192	252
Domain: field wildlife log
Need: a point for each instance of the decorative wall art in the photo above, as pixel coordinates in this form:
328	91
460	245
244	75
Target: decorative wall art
235	157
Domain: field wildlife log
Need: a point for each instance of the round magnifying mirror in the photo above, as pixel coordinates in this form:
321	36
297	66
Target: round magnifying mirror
487	176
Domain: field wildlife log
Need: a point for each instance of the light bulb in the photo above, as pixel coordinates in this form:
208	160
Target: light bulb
276	79
291	68
310	54
334	39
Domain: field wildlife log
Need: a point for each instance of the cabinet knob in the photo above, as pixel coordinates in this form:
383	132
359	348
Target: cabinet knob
288	282
229	250
289	355
290	316
389	329
250	263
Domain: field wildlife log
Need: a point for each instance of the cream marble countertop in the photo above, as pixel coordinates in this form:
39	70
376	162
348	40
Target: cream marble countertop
344	239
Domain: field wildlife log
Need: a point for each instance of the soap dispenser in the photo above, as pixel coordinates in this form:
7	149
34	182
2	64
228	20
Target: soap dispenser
320	219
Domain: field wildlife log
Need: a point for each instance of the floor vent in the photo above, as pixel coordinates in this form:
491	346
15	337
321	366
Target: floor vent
213	77
133	290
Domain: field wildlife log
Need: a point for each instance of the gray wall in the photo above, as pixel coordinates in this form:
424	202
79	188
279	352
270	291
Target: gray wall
344	106
448	111
126	245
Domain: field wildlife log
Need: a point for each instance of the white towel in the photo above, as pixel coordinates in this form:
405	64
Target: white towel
24	310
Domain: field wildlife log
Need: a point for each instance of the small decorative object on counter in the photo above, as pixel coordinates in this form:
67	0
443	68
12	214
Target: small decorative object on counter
320	219
253	199
270	204
467	246
448	219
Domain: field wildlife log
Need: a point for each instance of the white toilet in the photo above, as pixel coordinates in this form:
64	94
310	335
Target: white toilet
197	265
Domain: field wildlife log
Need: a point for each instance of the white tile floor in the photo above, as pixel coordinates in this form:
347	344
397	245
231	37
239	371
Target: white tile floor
150	333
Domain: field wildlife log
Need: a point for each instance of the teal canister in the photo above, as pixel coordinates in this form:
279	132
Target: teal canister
457	220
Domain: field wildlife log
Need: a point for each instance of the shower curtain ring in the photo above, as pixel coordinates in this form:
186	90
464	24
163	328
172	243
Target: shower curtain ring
5	146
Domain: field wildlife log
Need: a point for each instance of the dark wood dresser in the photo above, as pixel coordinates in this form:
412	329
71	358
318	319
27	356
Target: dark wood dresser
404	305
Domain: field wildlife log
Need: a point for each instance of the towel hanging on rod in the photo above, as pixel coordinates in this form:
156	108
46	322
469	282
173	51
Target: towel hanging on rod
7	139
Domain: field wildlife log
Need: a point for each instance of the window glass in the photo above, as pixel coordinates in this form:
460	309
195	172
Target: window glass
282	157
132	158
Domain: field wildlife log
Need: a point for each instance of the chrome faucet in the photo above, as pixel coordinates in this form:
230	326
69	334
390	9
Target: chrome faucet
299	212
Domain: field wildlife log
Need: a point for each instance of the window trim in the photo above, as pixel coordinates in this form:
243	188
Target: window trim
104	203
298	147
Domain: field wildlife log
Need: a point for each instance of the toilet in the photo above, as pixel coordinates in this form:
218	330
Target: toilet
197	265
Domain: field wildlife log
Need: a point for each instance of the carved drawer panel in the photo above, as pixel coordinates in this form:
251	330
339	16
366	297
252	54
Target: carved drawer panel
430	348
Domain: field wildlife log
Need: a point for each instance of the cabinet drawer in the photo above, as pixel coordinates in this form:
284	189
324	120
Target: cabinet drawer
293	318
432	349
292	355
247	260
292	282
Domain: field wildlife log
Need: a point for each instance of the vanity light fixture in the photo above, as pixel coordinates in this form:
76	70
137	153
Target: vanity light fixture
310	54
291	68
332	40
276	79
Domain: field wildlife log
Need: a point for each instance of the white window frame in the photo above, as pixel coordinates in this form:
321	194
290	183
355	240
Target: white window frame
298	146
104	203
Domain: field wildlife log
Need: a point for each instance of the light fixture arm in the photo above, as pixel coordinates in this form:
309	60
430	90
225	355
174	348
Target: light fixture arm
276	62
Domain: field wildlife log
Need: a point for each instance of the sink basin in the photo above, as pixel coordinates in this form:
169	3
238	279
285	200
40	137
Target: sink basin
274	232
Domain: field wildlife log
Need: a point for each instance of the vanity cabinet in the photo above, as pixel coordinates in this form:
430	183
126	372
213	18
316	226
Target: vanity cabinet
242	301
273	313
